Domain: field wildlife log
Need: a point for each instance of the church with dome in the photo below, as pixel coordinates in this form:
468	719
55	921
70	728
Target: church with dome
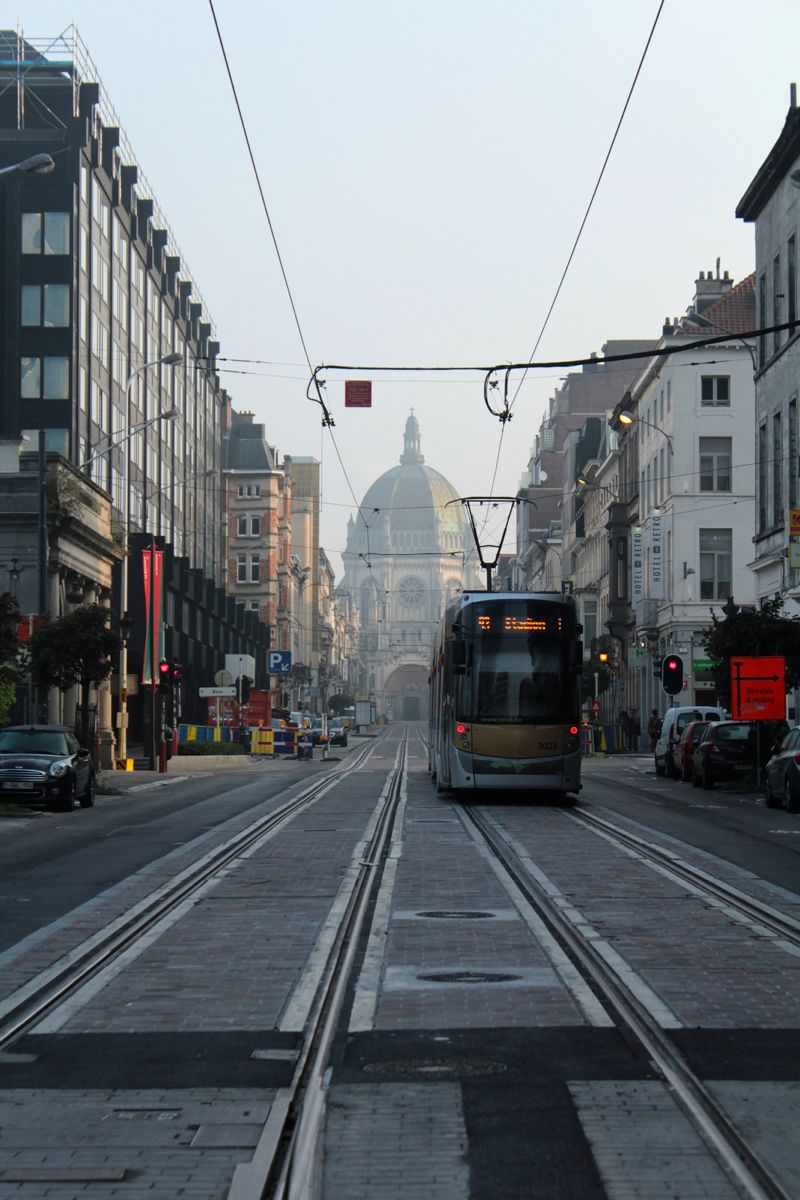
408	550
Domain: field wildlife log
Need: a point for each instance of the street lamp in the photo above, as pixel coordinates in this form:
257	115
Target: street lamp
37	164
627	419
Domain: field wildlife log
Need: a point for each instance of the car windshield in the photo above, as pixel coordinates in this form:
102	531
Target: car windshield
33	741
733	733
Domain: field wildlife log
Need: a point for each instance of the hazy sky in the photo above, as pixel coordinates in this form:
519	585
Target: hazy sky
426	166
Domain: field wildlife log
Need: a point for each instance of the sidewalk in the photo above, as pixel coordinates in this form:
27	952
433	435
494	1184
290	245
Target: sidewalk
113	783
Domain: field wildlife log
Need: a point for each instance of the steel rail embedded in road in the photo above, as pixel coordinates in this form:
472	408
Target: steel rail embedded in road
753	1177
775	922
31	1002
286	1161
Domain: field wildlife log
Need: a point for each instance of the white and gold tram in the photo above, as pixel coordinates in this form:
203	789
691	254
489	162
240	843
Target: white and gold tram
505	694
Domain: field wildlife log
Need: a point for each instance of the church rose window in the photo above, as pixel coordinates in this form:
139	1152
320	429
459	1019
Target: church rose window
411	590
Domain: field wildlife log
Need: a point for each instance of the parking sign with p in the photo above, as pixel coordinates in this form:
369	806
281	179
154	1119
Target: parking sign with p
279	661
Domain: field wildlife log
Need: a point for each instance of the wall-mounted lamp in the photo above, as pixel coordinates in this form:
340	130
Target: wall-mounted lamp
687	571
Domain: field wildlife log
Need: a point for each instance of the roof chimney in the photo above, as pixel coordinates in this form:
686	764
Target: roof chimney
709	288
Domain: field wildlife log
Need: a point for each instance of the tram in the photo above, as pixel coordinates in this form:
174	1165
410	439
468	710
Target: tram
505	694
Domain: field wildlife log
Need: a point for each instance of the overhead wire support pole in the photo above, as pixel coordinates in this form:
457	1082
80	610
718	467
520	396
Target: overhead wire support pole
327	420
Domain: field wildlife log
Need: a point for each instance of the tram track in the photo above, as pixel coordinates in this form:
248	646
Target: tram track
777	924
752	1176
286	1163
26	1007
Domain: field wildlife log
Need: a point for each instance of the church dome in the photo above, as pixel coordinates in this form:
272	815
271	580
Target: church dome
412	497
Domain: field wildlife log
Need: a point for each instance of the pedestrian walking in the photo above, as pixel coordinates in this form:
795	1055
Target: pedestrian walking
634	729
245	737
653	728
624	723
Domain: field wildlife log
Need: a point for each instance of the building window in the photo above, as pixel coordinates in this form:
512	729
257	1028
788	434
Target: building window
715	563
777	470
776	301
241	527
44	378
241	568
45	304
762	319
715	464
715	391
761	467
45	233
255	568
791	283
793	462
255	605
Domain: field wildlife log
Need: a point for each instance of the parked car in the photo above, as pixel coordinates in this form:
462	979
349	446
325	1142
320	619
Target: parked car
674	722
782	774
319	732
45	764
679	764
730	749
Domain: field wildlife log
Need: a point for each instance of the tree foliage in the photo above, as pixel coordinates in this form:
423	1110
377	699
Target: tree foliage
75	650
341	701
604	680
765	631
9	644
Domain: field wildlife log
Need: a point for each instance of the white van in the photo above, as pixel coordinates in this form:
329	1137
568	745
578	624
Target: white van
673	725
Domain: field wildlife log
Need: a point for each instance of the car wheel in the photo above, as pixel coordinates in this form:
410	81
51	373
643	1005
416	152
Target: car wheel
770	799
695	780
671	772
790	801
659	769
686	773
708	782
66	803
87	799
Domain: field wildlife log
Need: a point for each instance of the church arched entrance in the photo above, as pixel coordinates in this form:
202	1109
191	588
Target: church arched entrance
406	692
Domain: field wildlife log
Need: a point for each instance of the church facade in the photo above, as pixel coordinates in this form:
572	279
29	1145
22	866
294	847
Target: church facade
408	550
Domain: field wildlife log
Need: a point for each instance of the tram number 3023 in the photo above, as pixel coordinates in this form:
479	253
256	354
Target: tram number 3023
547	746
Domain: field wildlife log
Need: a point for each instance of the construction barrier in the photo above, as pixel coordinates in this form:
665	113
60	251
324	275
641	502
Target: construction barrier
263	742
206	733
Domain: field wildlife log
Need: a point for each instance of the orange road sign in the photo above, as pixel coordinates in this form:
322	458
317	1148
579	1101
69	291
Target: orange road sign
758	689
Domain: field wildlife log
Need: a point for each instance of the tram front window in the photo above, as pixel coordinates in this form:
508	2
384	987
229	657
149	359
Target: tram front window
517	683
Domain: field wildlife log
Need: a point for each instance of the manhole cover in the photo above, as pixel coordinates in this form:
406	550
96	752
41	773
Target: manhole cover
469	977
455	914
436	1068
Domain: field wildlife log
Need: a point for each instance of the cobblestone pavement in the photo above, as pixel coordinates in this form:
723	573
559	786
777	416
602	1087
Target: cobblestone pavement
476	1063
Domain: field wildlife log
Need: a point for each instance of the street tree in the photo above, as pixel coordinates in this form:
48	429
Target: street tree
76	650
340	701
764	631
9	645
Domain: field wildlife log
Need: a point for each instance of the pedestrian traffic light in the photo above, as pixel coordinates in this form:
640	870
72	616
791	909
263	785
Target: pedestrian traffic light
672	674
177	672
163	676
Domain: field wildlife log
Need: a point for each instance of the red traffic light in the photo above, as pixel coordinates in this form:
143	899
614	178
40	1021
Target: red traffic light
672	664
163	668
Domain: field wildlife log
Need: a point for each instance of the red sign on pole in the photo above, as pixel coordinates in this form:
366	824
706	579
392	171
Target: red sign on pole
758	689
358	393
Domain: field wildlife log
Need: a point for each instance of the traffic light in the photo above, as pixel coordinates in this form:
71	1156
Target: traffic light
177	672
672	674
163	676
244	689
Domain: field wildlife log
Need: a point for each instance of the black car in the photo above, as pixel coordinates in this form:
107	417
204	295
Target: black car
729	750
43	764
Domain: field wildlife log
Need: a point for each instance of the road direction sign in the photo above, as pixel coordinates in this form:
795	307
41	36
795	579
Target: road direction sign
217	691
758	689
280	662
